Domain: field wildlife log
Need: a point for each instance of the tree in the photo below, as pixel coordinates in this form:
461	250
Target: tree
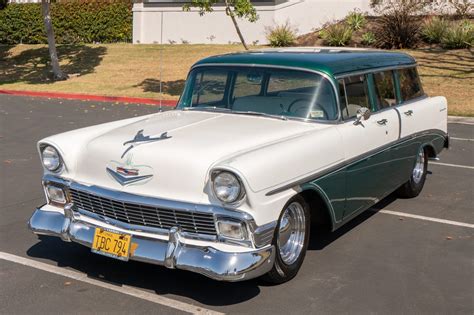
3	4
463	8
233	8
58	75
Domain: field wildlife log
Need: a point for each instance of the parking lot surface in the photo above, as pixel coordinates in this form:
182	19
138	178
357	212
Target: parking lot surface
402	256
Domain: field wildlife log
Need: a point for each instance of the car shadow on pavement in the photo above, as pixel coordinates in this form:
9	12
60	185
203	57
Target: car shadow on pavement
322	236
164	281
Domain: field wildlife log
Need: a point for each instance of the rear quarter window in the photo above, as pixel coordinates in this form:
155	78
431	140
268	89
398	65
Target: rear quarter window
410	84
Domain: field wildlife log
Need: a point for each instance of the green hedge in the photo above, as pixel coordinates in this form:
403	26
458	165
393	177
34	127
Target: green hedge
74	22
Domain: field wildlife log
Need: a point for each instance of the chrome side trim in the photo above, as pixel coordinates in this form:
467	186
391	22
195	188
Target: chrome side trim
263	235
353	160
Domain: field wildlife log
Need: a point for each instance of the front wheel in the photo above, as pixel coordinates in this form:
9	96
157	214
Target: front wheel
414	185
290	240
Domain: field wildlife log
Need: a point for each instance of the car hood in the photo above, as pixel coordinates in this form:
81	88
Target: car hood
174	151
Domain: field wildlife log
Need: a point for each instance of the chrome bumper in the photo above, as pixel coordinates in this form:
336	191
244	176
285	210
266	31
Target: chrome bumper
206	260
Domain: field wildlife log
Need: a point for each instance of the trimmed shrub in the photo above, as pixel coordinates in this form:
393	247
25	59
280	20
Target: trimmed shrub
356	20
368	39
283	35
73	22
434	30
460	35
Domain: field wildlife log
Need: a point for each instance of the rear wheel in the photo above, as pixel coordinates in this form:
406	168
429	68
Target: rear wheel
414	185
290	240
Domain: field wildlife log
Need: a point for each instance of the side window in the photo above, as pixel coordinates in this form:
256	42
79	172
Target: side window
298	82
385	89
410	84
247	84
356	96
209	87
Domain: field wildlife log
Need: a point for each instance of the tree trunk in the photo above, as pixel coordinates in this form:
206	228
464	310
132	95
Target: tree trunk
237	28
57	73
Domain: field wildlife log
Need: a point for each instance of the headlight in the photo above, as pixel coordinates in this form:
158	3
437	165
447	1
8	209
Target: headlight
227	187
51	159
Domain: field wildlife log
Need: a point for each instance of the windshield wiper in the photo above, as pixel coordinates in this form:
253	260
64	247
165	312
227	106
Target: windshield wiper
209	109
228	110
281	117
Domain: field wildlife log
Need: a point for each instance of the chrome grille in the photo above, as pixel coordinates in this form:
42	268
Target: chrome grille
191	222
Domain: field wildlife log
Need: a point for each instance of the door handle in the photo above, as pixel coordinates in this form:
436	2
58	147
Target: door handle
382	122
408	112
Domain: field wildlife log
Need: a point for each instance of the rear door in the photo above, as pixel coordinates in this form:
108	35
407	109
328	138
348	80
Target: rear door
417	111
365	144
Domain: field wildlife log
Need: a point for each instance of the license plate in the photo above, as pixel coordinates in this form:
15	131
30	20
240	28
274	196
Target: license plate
112	244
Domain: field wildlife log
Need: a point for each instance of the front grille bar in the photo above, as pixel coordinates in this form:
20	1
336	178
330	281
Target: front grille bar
145	215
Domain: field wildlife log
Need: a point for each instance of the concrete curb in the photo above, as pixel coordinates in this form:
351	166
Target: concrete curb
461	120
87	97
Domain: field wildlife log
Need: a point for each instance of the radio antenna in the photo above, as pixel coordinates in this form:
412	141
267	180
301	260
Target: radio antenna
161	64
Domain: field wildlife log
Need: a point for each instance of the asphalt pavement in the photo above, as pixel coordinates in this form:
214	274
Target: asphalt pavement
404	256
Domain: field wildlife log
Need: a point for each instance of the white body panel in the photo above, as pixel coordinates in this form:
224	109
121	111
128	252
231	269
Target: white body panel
428	113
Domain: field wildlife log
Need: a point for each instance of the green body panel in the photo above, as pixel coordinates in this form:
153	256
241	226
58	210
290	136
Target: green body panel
330	63
363	182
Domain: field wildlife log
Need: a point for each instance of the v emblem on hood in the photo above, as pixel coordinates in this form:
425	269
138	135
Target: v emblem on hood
128	173
140	138
124	180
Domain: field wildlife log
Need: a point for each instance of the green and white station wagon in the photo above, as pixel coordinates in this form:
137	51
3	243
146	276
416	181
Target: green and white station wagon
261	145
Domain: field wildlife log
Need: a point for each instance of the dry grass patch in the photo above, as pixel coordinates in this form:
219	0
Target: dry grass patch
134	70
451	74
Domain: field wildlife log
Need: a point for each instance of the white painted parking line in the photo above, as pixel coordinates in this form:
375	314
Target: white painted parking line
453	165
151	297
461	139
421	217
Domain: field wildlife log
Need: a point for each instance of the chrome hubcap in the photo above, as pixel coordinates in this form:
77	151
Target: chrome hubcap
291	233
419	168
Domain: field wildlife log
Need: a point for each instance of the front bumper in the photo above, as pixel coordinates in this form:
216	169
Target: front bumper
173	253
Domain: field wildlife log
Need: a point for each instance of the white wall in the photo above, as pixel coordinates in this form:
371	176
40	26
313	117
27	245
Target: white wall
154	24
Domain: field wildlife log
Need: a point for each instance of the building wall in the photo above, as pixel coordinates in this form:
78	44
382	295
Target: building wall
158	23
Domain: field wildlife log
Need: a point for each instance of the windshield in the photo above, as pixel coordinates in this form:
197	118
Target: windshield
259	90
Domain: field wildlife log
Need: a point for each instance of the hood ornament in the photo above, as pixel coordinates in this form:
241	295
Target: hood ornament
140	139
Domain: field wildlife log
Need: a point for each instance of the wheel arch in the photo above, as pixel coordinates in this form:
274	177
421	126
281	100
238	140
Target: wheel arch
321	209
430	150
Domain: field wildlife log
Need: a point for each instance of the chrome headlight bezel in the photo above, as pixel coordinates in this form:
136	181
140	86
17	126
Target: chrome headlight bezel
48	151
238	197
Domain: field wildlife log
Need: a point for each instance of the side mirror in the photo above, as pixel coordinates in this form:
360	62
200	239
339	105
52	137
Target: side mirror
363	113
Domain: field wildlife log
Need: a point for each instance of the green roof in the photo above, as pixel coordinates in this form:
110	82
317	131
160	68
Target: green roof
330	61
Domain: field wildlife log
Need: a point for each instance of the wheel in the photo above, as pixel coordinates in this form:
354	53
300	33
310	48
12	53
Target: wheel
290	240
414	185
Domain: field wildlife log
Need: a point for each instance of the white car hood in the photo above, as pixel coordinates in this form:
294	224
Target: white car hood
179	164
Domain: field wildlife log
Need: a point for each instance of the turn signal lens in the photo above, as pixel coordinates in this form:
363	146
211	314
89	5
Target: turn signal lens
231	229
56	194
